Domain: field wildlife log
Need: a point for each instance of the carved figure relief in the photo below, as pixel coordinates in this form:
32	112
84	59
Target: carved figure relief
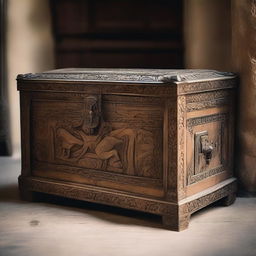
108	149
94	144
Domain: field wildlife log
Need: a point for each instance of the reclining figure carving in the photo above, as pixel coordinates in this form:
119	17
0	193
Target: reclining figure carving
103	145
94	144
77	143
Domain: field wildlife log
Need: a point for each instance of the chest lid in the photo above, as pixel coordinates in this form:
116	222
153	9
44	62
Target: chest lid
186	81
129	75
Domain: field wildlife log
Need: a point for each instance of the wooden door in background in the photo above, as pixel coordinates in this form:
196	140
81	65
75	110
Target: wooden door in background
118	33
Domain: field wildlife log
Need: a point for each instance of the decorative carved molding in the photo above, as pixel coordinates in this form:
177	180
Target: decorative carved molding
206	104
207	100
91	77
203	175
91	194
114	198
196	75
129	75
181	145
208	96
205	119
171	158
203	201
186	88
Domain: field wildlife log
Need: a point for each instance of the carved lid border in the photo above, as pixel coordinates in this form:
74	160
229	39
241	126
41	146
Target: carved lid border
158	76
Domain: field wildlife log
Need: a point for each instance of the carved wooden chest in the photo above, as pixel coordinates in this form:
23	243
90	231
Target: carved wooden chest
158	141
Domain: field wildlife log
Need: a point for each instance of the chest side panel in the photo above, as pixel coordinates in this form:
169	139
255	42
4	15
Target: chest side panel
209	139
112	141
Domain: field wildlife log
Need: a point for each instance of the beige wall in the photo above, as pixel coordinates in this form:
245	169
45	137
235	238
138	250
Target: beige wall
29	49
221	34
207	31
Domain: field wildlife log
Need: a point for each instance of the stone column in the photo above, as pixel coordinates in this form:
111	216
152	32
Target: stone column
207	34
244	61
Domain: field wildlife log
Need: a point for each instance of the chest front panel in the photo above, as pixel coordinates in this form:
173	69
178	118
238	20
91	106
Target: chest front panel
108	140
158	141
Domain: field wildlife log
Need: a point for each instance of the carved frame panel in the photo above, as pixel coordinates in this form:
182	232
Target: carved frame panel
223	120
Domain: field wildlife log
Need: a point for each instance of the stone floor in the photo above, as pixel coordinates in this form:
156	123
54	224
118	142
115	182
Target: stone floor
55	226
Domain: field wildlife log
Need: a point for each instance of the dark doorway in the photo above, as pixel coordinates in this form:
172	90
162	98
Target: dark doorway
118	33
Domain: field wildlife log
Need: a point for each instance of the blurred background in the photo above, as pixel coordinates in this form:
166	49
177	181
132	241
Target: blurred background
39	35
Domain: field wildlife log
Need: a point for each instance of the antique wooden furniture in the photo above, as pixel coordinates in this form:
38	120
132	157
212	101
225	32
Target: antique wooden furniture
158	141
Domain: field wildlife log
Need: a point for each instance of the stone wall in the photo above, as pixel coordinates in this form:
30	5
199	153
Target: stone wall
244	63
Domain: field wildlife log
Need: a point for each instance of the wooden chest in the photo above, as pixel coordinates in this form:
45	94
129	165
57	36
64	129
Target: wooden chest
158	141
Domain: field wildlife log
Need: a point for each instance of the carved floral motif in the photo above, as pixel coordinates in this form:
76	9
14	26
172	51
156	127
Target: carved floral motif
181	144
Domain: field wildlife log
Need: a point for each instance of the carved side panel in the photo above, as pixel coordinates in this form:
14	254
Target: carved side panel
207	146
117	134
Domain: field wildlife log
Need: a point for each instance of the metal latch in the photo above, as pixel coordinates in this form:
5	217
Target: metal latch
206	148
203	150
